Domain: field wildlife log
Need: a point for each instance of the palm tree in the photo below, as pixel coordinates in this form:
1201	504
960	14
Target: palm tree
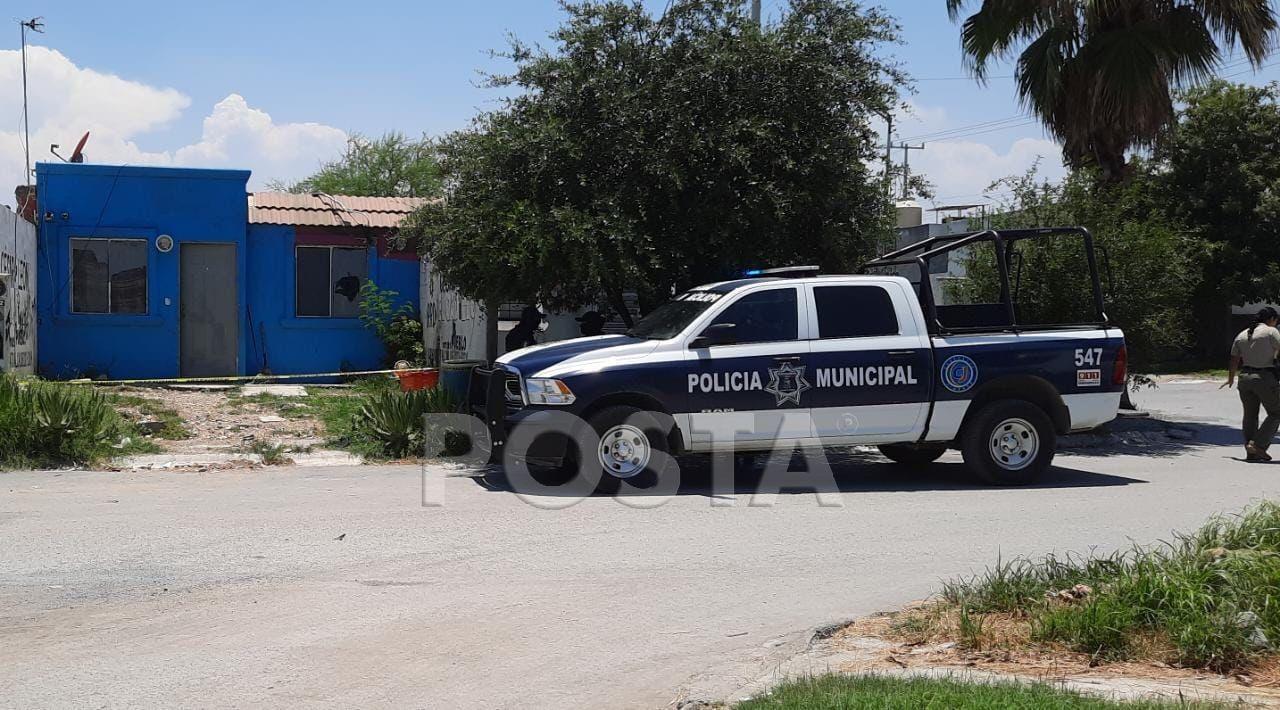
1101	74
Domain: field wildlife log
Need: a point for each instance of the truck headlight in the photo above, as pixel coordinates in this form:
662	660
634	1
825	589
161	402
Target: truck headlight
546	391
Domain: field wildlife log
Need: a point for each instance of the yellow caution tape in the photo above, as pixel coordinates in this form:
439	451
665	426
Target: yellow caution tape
245	378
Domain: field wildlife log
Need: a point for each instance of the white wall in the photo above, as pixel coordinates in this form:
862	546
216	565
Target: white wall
453	327
18	302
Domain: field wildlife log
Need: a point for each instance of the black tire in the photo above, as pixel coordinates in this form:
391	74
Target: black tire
913	455
1009	442
654	428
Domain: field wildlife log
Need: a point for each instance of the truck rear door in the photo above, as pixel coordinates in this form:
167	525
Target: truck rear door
871	362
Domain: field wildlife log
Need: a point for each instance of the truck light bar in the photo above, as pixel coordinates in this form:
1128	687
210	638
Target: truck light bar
793	272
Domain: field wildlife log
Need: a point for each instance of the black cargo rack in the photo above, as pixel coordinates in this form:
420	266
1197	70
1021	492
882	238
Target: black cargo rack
921	252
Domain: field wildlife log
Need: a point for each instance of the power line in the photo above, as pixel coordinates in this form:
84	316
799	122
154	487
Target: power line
960	78
984	132
1250	70
962	129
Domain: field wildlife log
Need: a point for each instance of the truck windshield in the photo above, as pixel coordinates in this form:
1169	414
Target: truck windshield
674	316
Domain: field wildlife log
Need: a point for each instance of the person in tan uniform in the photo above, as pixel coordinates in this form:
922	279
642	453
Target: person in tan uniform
1253	356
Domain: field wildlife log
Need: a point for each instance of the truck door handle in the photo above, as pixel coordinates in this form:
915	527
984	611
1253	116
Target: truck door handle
789	358
901	353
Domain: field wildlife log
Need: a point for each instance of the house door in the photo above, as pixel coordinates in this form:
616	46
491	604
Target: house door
209	312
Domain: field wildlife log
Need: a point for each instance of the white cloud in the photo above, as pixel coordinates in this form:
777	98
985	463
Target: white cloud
66	100
235	131
961	168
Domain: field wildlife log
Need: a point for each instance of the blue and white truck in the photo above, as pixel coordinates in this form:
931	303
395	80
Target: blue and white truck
792	359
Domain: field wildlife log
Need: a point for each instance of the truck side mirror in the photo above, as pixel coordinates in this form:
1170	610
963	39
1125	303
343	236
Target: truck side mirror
717	334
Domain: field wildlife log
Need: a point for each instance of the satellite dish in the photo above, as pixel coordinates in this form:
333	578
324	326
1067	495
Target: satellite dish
77	155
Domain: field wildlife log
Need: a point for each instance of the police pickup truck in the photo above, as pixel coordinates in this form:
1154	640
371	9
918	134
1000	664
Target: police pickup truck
798	360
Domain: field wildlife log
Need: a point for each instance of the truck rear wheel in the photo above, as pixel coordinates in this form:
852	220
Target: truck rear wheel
1009	442
912	455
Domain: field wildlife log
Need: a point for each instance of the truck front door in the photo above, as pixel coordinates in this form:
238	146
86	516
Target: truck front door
756	388
871	363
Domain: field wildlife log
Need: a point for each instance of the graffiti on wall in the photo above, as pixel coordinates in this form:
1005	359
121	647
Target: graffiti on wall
17	293
453	327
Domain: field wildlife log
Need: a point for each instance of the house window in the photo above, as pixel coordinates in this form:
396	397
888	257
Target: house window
109	276
329	280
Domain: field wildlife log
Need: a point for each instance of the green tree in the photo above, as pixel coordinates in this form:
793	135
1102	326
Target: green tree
1145	259
1100	74
657	152
389	166
1221	178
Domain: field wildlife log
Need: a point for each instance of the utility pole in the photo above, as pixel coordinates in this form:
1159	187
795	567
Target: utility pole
906	164
755	13
888	151
889	147
35	25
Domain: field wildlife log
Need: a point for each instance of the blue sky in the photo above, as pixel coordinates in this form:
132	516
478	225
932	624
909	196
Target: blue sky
155	81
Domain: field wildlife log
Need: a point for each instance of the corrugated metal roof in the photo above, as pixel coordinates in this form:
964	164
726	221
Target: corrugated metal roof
321	210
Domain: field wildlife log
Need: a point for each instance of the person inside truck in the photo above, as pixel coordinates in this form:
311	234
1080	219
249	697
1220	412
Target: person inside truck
1253	356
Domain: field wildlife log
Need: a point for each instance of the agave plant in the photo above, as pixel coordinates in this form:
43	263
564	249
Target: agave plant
396	418
64	414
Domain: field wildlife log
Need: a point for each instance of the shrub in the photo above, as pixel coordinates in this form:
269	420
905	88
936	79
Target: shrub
396	421
399	329
48	423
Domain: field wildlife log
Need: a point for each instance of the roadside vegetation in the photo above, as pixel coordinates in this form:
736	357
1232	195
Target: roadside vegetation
870	692
50	424
372	418
1209	599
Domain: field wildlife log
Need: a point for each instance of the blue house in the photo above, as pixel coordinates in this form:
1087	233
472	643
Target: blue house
175	272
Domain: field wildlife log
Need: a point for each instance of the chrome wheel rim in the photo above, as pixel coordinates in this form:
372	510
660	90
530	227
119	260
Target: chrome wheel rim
1014	444
624	451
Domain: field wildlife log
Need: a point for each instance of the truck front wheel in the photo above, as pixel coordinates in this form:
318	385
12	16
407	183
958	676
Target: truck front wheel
1009	442
632	447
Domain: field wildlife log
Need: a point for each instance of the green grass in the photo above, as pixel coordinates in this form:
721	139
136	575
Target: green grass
334	408
839	692
272	453
1190	602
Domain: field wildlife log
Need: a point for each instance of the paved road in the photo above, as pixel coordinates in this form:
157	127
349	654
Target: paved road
232	589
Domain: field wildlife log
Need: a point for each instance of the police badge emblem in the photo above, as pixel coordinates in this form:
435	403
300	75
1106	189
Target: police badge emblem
787	383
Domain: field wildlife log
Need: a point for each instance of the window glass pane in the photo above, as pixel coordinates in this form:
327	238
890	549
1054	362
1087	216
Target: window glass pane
764	316
128	265
89	276
854	312
350	268
313	281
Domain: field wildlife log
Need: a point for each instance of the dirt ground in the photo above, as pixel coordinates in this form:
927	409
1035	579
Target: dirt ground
217	424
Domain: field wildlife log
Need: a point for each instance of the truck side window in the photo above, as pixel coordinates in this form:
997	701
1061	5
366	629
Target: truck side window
764	316
854	312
